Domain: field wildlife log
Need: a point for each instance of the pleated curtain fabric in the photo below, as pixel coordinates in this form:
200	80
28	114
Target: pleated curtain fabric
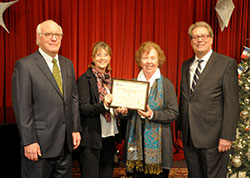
57	76
196	75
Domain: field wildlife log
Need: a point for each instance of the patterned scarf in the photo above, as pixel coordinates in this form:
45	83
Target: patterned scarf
152	137
103	78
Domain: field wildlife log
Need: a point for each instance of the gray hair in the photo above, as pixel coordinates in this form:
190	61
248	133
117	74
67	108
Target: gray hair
39	29
200	24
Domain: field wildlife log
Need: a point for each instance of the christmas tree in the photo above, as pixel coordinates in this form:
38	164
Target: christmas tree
239	164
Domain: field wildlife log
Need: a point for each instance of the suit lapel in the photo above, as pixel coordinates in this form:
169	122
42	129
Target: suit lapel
42	65
211	62
186	77
93	83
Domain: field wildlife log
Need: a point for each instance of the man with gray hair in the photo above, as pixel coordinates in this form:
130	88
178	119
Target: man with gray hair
45	101
209	106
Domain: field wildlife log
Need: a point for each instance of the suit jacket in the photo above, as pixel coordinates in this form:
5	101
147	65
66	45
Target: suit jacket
43	115
212	110
90	110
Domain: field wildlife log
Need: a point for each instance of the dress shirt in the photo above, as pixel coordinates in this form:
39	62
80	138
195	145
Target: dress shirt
194	65
49	59
108	128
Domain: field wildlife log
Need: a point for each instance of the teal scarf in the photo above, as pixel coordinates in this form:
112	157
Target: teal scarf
152	137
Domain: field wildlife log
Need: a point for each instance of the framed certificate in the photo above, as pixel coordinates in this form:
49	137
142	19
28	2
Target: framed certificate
131	94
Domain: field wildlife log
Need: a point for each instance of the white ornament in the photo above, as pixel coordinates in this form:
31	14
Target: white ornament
240	175
236	162
3	7
224	9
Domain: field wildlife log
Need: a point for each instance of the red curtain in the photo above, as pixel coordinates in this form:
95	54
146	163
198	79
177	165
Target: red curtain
124	25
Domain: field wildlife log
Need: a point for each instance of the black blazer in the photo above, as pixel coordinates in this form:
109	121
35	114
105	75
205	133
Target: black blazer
212	111
90	110
43	115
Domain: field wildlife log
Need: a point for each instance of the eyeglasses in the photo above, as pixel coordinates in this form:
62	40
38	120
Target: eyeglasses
50	35
102	55
202	37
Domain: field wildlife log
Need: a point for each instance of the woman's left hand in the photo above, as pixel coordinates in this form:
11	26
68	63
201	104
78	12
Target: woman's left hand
147	113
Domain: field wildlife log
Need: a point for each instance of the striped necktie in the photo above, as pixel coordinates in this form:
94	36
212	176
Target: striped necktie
196	75
57	75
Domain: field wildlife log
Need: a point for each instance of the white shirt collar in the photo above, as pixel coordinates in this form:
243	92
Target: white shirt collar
156	75
206	57
47	57
48	60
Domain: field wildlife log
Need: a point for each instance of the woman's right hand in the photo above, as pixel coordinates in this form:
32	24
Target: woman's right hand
108	99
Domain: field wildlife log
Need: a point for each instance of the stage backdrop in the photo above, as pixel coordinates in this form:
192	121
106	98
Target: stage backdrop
124	25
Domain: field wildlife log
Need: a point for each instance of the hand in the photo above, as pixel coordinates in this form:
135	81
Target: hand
147	113
32	151
76	139
224	145
122	110
108	99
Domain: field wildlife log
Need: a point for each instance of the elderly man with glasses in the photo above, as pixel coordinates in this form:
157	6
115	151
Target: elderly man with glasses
45	101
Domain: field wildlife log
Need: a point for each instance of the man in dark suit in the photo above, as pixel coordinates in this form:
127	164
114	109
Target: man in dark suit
209	106
45	101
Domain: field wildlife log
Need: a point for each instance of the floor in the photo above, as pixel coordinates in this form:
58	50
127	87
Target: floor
179	164
179	170
176	164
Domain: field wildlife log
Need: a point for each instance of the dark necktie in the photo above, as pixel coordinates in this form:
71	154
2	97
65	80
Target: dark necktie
57	75
196	75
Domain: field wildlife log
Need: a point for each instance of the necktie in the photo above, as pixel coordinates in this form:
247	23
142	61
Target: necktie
57	75
196	75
